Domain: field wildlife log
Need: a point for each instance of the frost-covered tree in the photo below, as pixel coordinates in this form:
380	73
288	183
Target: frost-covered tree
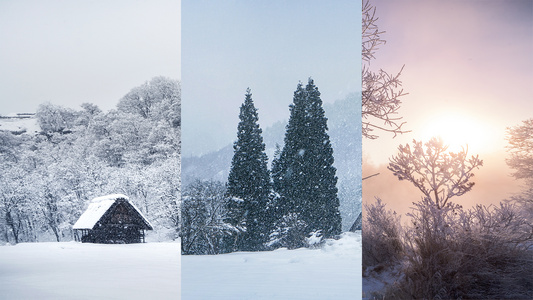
146	125
438	174
165	194
202	211
303	175
520	148
87	114
249	180
381	90
9	146
159	97
53	118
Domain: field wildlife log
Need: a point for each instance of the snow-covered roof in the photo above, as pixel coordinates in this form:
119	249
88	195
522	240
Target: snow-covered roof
97	209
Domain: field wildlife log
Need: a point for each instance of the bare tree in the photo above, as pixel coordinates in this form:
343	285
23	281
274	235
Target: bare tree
381	90
438	174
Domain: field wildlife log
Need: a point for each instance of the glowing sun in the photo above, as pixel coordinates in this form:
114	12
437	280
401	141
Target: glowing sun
457	131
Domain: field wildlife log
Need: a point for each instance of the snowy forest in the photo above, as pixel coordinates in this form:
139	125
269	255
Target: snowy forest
47	178
294	204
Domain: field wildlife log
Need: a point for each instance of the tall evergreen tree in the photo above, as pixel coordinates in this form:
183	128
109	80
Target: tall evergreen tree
303	175
249	181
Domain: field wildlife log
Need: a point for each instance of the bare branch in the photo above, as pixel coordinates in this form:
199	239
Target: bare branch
381	90
370	176
370	32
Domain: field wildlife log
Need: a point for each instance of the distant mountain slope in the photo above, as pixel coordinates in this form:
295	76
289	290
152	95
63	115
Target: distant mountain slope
345	136
211	166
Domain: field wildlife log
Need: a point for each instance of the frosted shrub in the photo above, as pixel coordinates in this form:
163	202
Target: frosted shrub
506	221
524	202
381	236
430	263
453	253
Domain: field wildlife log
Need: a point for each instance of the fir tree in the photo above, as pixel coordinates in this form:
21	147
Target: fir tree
249	181
303	174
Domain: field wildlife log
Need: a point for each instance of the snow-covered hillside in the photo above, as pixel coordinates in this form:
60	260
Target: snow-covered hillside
71	270
20	124
331	272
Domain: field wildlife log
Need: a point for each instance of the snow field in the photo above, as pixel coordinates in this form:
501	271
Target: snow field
30	125
330	272
71	270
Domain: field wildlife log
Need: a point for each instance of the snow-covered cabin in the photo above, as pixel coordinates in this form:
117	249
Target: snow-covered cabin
111	219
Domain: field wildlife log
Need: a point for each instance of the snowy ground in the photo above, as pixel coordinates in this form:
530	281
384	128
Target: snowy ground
30	125
332	272
376	283
71	270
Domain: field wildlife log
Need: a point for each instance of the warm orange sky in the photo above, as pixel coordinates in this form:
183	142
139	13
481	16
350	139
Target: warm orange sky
467	61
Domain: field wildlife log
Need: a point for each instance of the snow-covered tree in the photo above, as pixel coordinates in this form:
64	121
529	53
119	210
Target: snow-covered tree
166	194
438	174
87	114
290	232
9	146
53	118
159	96
303	175
202	211
249	180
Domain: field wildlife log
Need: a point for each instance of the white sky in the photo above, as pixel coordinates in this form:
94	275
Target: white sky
268	46
71	52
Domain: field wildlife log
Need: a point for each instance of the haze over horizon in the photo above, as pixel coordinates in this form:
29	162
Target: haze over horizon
468	71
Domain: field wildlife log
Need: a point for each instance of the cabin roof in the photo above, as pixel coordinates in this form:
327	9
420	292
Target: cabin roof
98	207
